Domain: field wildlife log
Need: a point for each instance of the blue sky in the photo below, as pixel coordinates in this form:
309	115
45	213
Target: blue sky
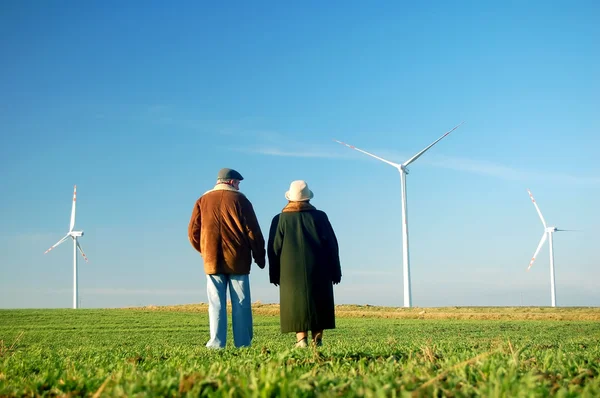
140	104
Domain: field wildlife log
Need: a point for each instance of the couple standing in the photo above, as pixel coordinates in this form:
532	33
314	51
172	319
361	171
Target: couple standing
303	260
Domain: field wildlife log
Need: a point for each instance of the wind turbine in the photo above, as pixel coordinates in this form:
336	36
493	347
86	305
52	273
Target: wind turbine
402	168
548	234
73	235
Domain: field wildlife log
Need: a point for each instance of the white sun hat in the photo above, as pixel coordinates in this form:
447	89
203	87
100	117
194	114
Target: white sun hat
299	192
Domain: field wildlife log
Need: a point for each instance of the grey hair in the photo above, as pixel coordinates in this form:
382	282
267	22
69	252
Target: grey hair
225	180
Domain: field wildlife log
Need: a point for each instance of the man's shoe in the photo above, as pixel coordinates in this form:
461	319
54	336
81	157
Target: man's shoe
318	342
301	343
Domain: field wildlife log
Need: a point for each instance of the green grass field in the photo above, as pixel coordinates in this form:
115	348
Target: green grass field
374	351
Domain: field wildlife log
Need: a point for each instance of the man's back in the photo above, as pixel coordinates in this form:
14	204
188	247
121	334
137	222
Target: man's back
225	230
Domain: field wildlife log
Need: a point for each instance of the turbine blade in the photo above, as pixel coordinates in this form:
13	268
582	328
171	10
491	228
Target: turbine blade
544	237
418	155
370	154
57	243
73	209
568	230
537	208
82	253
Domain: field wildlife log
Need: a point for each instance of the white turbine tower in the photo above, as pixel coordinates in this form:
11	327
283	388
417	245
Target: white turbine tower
402	168
548	234
73	235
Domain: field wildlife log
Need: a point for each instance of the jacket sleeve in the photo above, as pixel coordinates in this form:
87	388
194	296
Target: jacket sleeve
195	226
274	251
255	236
333	250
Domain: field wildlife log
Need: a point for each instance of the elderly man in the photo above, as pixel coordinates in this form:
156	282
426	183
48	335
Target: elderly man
225	231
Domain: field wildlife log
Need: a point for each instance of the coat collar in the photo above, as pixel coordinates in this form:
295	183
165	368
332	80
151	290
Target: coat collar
222	187
298	206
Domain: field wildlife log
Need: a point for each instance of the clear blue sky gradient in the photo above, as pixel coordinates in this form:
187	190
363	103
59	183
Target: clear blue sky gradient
141	103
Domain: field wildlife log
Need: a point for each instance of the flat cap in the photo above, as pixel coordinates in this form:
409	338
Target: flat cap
229	174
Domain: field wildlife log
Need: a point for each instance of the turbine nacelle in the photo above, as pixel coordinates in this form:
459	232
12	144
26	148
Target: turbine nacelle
551	229
76	234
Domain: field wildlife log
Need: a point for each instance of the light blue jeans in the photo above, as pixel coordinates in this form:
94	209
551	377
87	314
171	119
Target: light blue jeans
241	309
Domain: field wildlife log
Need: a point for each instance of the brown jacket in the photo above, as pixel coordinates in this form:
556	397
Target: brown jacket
224	229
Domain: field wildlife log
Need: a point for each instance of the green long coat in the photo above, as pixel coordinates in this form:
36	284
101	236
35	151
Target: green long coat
304	261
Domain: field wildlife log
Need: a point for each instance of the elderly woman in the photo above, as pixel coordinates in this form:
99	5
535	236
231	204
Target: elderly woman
304	261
